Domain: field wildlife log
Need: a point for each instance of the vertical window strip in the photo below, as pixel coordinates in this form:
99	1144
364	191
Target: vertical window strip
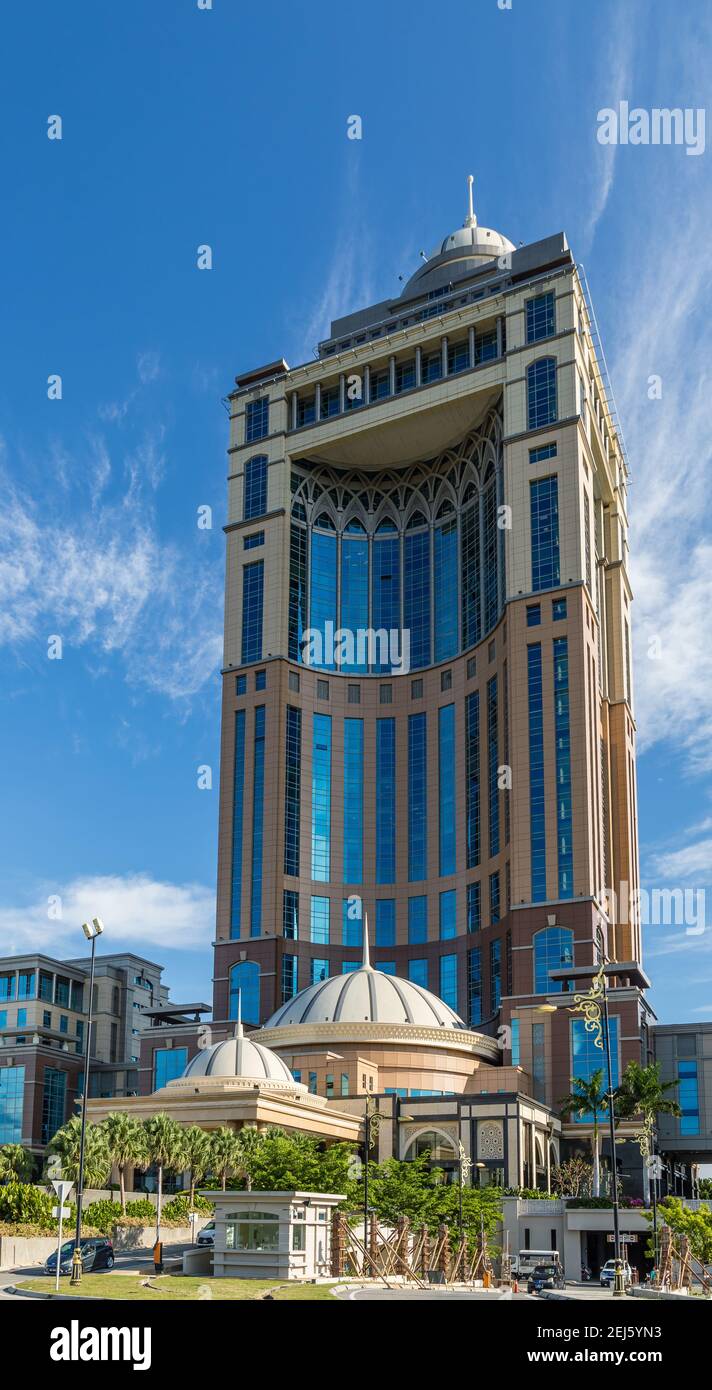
252	603
417	597
293	786
448	981
322	590
446	788
541	393
321	798
490	546
544	514
255	487
258	803
385	800
320	932
444	588
417	920
290	914
354	593
587	539
298	620
448	914
492	763
474	986
562	734
417	798
495	975
238	785
353	800
472	778
537	803
470	575
474	907
385	591
385	922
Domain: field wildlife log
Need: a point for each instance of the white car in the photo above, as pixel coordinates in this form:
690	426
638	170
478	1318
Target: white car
207	1235
608	1274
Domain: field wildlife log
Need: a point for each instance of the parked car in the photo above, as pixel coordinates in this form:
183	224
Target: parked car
608	1273
545	1276
207	1235
97	1253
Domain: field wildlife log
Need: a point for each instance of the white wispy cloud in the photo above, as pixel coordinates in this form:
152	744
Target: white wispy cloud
611	85
94	570
138	911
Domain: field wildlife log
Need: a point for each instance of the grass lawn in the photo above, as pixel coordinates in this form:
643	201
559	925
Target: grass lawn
172	1286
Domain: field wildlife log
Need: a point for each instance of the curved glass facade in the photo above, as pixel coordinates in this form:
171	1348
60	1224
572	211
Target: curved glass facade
415	550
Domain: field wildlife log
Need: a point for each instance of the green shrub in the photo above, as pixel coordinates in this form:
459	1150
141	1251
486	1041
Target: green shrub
143	1208
179	1208
22	1203
103	1214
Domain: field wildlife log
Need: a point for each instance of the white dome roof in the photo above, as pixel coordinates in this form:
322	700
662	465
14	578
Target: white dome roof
240	1057
366	996
463	252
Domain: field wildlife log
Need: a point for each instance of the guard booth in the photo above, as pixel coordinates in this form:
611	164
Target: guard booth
261	1235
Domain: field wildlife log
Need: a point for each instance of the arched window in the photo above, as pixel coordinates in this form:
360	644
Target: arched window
541	393
553	949
245	980
440	1146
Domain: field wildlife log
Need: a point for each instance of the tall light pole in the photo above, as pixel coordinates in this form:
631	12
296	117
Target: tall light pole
371	1123
91	931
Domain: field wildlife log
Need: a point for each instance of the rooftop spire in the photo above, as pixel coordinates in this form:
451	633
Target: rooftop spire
470	220
366	961
238	1026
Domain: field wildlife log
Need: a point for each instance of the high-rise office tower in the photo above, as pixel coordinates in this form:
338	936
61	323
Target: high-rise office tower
427	703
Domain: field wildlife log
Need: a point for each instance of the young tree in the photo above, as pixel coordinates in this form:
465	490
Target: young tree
642	1092
126	1142
165	1147
197	1156
573	1178
224	1154
587	1101
16	1163
249	1143
66	1144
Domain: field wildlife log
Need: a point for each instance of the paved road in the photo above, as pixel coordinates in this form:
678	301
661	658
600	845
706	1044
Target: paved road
434	1295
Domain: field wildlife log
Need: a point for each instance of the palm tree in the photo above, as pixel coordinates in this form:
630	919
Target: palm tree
197	1156
66	1144
249	1142
588	1100
225	1156
16	1163
642	1092
165	1147
126	1141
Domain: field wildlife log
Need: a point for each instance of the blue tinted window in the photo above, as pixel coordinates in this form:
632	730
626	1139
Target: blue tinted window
445	587
385	922
321	798
541	393
515	1042
260	680
252	542
255	487
320	933
446	787
495	904
540	317
353	800
385	800
544	500
490	544
458	358
168	1063
470	567
687	1096
292	796
448	914
319	971
474	906
553	950
492	763
418	972
448	981
388	967
558	609
474	986
562	736
432	364
298	620
533	614
244	981
544	451
405	375
472	778
417	596
12	1090
237	822
352	923
258	804
586	1058
354	591
385	589
289	978
537	802
54	1100
240	685
417	920
495	975
290	914
257	419
323	587
252	596
417	797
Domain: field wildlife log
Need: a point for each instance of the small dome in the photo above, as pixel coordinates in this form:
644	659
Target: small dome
240	1057
463	252
366	995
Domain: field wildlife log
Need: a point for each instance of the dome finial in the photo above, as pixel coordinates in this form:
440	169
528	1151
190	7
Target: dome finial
470	220
366	961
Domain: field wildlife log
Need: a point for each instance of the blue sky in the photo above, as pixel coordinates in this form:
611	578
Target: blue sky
183	127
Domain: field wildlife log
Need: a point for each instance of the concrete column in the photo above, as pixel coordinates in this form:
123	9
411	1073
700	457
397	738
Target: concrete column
294	410
419	366
317	401
392	374
443	349
367	385
471	339
500	335
342	393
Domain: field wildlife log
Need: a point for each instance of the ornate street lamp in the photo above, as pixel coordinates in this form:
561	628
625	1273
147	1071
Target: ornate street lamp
91	931
372	1122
